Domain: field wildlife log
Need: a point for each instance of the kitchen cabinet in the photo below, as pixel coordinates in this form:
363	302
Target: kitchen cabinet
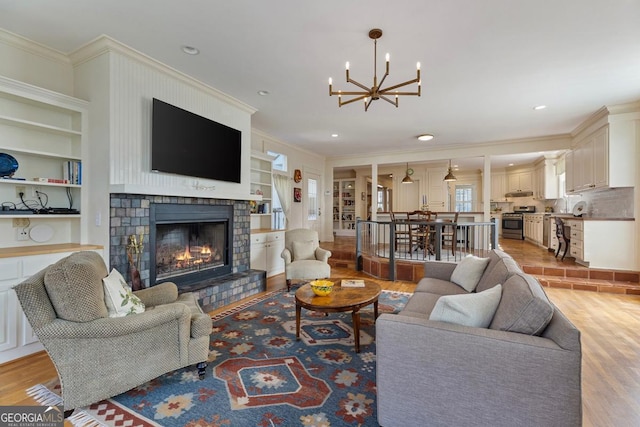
597	243
17	264
437	191
534	228
498	187
344	207
265	252
520	181
576	248
602	159
498	221
546	180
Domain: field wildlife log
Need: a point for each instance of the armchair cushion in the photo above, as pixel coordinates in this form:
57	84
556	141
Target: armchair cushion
74	285
118	296
474	309
304	250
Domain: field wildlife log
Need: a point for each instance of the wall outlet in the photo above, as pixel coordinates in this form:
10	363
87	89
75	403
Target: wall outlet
34	190
22	234
21	189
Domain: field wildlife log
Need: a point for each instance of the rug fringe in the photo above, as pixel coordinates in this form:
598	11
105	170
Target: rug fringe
44	396
83	419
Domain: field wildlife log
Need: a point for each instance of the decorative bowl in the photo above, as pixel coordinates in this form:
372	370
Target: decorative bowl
322	288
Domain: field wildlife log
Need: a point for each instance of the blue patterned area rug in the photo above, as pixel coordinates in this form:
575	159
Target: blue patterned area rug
259	375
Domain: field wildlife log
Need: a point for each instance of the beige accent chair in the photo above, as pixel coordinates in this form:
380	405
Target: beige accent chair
303	256
97	356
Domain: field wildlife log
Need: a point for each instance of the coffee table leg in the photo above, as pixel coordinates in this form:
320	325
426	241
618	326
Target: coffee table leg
356	329
375	309
298	310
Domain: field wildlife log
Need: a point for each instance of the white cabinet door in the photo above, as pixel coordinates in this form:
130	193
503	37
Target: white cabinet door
601	159
498	187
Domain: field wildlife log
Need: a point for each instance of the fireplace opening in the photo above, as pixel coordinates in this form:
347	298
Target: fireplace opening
190	243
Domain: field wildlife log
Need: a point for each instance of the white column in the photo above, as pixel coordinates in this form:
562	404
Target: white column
374	191
486	189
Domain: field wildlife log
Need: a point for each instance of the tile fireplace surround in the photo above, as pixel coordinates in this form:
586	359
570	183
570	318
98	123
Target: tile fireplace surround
129	214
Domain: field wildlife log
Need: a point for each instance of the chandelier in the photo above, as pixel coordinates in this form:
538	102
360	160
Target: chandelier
376	91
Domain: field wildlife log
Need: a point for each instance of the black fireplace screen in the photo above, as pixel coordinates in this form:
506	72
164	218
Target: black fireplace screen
188	248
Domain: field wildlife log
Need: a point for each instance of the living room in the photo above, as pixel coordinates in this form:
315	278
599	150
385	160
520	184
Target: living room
119	81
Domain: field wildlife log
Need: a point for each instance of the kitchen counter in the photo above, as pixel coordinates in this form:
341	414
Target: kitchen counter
590	218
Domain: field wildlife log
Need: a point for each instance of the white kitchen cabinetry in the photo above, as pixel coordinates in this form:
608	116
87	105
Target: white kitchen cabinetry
344	207
261	185
520	181
533	228
602	243
42	130
576	246
437	191
265	252
498	221
17	264
602	159
498	187
546	180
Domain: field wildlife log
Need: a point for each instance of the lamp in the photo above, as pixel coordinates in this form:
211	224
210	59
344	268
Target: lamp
450	176
407	179
376	91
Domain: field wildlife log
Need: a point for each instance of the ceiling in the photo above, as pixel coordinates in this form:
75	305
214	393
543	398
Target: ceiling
485	64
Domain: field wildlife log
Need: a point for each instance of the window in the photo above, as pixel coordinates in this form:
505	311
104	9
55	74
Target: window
280	161
464	198
312	197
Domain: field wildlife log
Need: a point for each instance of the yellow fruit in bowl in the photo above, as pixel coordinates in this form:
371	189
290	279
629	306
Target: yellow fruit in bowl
322	288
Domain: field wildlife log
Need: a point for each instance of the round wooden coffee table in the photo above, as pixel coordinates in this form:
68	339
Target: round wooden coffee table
341	299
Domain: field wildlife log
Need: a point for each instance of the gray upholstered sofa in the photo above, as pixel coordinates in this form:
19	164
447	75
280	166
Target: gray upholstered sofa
523	369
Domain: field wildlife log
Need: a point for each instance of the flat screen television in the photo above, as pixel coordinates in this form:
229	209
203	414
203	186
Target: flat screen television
187	144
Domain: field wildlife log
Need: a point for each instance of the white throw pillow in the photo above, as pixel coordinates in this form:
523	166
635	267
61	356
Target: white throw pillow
304	250
118	296
475	310
469	271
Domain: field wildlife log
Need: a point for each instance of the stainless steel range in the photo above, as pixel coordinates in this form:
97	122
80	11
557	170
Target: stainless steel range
513	222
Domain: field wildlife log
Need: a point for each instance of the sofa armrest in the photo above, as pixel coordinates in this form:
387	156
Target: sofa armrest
322	254
286	255
164	293
457	375
439	269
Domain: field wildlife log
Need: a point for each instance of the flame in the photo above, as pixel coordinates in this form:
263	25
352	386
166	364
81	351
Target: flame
185	256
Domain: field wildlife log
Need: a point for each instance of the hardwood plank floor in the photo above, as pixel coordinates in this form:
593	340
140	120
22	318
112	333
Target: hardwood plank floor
609	325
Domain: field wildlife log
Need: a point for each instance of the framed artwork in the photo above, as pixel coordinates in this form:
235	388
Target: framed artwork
297	194
297	176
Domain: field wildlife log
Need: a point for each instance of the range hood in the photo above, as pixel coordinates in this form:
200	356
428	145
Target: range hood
520	194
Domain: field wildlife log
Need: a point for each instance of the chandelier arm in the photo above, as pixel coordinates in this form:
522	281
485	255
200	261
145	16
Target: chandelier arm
389	101
383	77
399	85
360	85
350	93
400	93
366	105
359	98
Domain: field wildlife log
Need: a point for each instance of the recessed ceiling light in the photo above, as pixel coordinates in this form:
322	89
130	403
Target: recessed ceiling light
539	107
510	164
190	50
263	92
425	137
334	135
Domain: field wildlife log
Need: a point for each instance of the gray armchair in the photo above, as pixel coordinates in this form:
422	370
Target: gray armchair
303	256
97	356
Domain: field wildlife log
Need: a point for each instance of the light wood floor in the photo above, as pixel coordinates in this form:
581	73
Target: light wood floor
610	326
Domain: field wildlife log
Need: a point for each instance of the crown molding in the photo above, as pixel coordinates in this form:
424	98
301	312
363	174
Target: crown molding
19	42
105	44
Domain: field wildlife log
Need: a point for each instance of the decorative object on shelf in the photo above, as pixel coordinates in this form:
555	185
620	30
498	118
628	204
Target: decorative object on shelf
375	92
579	208
258	192
297	175
253	206
407	177
450	176
8	165
134	253
297	194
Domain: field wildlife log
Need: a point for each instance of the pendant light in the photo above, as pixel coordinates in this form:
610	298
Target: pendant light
450	176
407	178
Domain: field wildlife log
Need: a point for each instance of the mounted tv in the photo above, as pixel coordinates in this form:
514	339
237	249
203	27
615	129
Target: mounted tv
187	144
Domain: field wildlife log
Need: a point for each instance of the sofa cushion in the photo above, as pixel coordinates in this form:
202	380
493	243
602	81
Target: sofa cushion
74	285
499	273
474	309
420	305
524	307
118	297
491	278
439	287
304	250
469	271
